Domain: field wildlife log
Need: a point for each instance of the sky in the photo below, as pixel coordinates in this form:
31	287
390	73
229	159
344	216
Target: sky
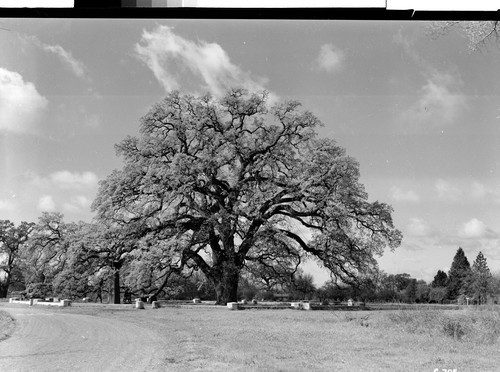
420	114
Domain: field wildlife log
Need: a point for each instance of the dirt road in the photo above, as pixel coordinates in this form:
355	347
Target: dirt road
46	340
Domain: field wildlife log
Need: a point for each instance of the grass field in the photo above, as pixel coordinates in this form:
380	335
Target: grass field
7	325
215	338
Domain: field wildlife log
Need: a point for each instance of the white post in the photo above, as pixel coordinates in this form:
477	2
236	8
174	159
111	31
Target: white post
139	304
232	305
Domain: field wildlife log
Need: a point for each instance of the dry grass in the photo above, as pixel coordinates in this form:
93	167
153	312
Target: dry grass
214	338
7	325
476	326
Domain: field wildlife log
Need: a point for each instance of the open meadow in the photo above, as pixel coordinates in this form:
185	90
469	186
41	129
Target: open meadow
215	338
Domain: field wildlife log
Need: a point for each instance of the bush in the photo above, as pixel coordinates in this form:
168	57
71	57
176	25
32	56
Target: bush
415	321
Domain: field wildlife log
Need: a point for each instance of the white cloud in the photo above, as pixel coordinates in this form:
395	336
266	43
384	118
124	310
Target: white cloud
73	180
66	58
65	191
63	180
20	103
480	191
475	228
472	229
404	196
441	99
447	192
173	58
6	205
418	227
330	58
77	203
46	204
93	121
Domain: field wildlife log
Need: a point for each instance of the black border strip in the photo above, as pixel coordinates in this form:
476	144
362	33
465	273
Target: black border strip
94	11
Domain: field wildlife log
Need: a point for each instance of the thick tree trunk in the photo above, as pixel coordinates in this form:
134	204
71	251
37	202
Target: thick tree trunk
3	290
4	287
117	287
117	265
226	283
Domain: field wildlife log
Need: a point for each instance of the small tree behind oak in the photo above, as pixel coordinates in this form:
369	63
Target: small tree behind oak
12	239
44	255
219	183
99	251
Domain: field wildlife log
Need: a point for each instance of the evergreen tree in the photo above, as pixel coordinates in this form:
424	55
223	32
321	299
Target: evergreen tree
440	279
458	275
480	265
479	280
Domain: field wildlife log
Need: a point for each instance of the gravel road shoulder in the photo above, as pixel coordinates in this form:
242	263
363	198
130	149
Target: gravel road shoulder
53	340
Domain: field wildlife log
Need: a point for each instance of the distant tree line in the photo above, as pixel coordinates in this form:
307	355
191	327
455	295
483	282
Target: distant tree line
462	284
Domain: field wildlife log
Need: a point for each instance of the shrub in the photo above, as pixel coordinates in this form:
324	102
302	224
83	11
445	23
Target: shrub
453	328
479	326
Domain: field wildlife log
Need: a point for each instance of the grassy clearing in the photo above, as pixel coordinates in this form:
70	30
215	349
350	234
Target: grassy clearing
7	325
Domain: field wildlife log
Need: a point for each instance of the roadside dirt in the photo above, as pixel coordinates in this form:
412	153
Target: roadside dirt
52	340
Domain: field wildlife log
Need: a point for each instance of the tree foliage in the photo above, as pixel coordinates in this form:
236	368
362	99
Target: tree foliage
12	239
46	252
100	253
480	34
410	292
440	279
220	184
438	294
301	286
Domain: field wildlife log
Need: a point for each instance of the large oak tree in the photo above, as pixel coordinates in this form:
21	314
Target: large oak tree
218	183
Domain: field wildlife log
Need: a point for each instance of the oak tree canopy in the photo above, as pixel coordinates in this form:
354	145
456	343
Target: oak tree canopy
218	184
